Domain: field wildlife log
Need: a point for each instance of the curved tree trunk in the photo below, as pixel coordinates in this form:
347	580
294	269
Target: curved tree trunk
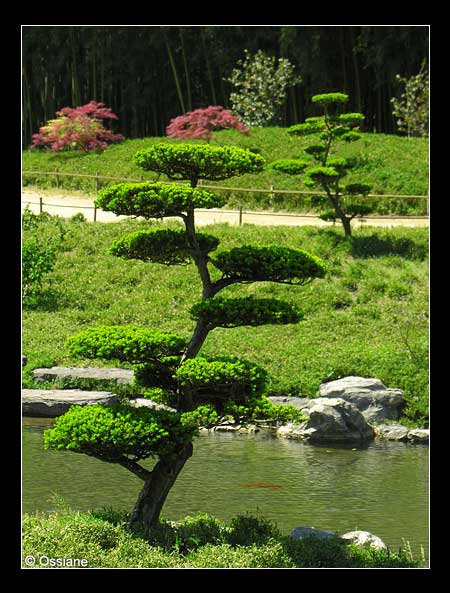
146	512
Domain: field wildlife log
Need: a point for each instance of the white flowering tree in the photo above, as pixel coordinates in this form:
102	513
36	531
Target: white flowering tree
411	109
260	86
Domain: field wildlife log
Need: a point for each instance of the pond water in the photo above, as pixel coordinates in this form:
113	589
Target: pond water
381	488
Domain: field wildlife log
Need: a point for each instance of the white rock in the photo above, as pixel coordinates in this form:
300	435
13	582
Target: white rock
364	539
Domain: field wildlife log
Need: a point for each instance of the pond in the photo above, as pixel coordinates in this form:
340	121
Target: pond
381	488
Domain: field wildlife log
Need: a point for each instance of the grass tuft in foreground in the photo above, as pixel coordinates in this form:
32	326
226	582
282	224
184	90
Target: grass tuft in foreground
202	541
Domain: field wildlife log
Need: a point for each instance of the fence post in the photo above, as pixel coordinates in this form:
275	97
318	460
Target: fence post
40	205
95	213
240	214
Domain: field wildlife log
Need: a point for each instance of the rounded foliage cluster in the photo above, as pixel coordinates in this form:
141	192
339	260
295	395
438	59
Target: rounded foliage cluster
127	343
199	161
112	432
289	166
164	246
221	379
154	200
236	312
326	99
271	263
311	125
321	176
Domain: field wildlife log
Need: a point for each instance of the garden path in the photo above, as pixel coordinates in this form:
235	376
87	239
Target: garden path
68	204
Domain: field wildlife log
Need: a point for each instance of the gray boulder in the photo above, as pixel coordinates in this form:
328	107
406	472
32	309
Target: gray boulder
330	420
303	532
120	376
55	402
398	432
373	399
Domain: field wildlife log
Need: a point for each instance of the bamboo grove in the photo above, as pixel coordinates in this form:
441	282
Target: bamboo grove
150	74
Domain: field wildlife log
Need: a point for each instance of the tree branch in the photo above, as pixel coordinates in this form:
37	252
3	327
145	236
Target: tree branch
135	468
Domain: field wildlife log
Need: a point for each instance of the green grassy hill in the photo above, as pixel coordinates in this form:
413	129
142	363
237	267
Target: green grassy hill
368	317
391	164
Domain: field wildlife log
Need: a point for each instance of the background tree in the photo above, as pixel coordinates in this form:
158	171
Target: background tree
200	123
151	74
199	390
332	126
260	86
78	128
412	107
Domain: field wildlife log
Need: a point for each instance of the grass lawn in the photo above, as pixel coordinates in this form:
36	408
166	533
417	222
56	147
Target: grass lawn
391	164
368	317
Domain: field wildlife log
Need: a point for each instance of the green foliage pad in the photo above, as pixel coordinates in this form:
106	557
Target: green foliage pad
198	161
127	343
154	200
237	312
271	263
163	246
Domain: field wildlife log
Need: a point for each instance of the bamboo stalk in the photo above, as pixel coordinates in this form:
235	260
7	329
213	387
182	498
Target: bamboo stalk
175	75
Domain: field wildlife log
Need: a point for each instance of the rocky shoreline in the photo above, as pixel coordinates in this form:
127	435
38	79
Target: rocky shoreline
348	410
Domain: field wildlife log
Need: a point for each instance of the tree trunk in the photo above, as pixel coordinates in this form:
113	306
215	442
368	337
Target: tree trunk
339	212
157	486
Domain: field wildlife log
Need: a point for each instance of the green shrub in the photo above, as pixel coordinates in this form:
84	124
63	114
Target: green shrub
128	343
269	555
37	260
278	412
236	312
245	530
154	200
158	373
164	246
271	263
221	379
290	166
194	532
314	552
198	161
113	432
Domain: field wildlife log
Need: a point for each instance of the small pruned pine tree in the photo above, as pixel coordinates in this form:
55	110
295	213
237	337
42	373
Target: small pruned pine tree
331	127
194	390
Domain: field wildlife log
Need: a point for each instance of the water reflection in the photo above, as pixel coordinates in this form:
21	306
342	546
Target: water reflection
382	488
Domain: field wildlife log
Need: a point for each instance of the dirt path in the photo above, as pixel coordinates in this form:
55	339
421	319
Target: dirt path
67	205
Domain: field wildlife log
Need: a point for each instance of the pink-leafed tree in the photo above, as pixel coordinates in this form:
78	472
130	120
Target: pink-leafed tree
200	123
77	128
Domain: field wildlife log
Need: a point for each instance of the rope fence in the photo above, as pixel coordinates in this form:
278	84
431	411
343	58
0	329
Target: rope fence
272	191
